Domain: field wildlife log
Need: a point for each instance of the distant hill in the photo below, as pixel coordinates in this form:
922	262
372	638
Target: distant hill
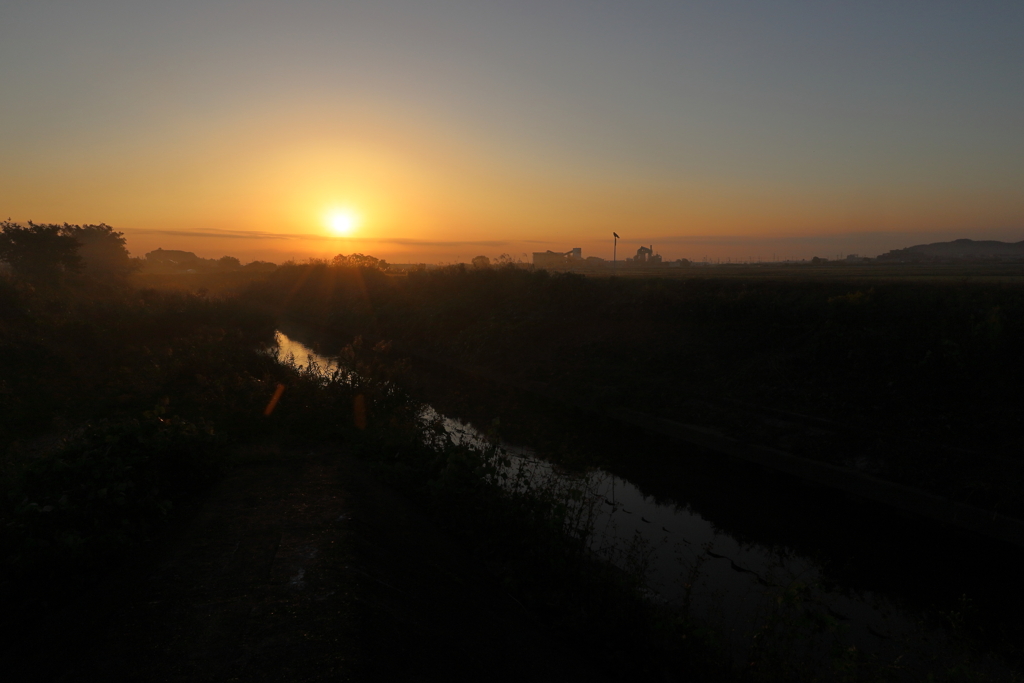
959	250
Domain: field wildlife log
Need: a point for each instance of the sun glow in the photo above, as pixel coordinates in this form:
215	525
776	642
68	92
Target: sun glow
342	222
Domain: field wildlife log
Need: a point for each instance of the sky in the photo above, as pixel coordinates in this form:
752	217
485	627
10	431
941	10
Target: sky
449	129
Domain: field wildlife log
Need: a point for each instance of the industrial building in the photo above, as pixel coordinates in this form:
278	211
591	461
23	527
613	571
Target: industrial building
554	260
573	260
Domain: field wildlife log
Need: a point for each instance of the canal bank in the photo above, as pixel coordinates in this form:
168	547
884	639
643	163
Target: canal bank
906	499
745	527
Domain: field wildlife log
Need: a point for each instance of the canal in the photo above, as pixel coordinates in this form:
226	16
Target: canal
737	547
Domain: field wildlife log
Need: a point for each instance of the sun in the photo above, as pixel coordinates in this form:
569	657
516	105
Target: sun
342	222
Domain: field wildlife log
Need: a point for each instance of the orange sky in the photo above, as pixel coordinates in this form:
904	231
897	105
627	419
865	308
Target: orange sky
453	130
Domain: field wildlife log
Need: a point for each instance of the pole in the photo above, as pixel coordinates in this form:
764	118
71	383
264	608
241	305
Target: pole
615	251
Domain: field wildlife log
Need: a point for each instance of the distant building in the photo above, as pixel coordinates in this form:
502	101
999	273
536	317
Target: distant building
646	256
553	260
573	260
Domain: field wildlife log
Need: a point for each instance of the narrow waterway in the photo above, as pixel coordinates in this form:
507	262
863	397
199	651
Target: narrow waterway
735	567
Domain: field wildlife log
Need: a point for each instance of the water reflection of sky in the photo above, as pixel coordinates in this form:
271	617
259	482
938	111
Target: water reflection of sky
301	354
732	585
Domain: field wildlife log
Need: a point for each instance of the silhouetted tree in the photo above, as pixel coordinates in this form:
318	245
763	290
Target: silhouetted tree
102	250
39	253
508	261
229	262
359	261
481	262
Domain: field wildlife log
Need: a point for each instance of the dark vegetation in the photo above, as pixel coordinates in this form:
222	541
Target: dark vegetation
914	381
120	404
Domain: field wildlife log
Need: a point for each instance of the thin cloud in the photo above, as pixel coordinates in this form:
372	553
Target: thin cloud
833	238
748	239
230	234
288	236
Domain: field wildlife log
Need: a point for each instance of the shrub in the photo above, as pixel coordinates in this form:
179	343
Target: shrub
106	489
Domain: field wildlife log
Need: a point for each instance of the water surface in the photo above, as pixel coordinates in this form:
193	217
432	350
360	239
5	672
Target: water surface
731	580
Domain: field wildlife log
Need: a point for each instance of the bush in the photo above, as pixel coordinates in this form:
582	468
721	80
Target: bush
106	489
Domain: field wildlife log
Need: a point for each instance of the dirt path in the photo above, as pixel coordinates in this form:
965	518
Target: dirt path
299	568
